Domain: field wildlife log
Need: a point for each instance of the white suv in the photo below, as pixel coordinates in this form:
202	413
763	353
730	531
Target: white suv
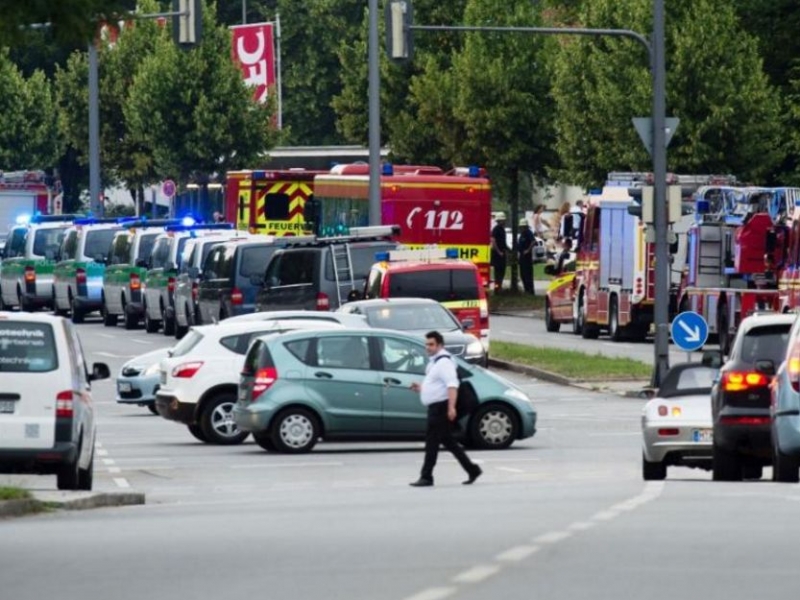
47	422
199	380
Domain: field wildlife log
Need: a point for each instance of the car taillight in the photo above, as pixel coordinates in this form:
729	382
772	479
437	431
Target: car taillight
737	381
263	380
484	309
64	404
195	291
171	285
236	296
323	303
80	276
733	420
186	370
30	274
136	283
669	431
793	368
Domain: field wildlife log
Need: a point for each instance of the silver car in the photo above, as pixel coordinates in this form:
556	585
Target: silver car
138	379
676	424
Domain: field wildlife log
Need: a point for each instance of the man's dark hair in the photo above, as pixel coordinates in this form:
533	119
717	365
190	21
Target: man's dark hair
436	337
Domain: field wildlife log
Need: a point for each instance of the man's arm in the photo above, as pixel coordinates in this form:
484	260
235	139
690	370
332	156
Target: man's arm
452	394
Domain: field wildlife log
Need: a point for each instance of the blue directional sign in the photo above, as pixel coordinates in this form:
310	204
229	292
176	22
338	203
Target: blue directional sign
689	331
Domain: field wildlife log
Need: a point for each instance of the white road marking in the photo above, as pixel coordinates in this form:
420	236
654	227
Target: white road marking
107	336
122	482
476	574
114	470
433	593
108	461
102	452
581	526
516	334
606	515
289	465
97	444
146	342
552	537
110	355
510	470
517	553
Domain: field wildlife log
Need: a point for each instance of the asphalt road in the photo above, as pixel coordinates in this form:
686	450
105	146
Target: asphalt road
560	516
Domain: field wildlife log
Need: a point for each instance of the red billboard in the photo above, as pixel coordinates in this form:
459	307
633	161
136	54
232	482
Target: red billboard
253	49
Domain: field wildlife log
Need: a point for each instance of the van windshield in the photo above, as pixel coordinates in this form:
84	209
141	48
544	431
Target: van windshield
442	285
47	241
27	347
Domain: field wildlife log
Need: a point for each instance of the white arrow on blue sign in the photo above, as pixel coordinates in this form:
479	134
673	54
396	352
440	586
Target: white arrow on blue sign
689	331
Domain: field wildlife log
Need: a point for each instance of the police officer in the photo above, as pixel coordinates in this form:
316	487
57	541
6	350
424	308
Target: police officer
525	244
499	250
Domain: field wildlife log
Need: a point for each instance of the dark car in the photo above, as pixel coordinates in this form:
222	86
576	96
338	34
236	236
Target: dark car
233	273
417	316
740	398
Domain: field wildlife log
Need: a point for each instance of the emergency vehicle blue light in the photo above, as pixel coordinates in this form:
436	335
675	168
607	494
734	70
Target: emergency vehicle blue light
595	191
23	219
188	221
387	169
259	174
474	171
381	256
451	253
702	207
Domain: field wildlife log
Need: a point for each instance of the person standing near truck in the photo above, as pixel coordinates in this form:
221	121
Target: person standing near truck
499	251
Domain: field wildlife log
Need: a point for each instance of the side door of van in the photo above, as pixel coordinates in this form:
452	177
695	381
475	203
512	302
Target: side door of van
216	280
291	281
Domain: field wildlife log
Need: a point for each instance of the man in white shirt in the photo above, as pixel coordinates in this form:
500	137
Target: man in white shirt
438	392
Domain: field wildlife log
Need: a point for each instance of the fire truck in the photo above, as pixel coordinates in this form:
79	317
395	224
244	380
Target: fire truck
23	194
433	207
739	258
271	202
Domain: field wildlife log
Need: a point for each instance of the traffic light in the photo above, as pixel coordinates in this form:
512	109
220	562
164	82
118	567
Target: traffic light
399	43
187	27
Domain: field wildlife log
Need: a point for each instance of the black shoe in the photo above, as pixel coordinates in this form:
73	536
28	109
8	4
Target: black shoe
422	482
477	472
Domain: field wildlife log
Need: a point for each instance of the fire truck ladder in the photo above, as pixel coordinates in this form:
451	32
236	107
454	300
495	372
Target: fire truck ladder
342	269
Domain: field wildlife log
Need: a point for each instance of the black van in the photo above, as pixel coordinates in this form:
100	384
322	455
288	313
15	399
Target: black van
232	274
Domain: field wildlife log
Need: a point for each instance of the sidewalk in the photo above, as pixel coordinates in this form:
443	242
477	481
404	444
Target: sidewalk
43	501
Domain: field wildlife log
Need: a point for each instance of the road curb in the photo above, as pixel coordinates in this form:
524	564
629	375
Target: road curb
42	501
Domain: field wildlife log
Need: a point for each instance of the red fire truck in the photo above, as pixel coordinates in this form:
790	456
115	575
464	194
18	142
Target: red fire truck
271	202
23	194
450	209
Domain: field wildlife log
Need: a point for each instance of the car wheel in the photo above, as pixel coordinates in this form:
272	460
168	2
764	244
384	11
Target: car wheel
785	468
295	431
577	319
68	475
151	406
752	471
130	321
493	427
726	465
180	331
653	471
614	331
86	476
551	325
589	331
264	439
59	312
24	305
197	432
78	316
150	325
109	320
168	323
217	423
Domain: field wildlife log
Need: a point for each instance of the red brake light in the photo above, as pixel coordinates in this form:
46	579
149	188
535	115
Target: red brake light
323	303
732	420
669	431
263	380
80	276
171	285
737	381
136	283
195	291
30	274
64	404
236	296
187	370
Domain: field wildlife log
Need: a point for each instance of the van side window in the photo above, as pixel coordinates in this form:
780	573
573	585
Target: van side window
120	248
292	268
69	247
16	243
344	352
160	255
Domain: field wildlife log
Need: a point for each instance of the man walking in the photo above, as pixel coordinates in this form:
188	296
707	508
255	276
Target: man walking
499	250
525	244
438	392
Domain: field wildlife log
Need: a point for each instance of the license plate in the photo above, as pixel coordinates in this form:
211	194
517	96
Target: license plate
124	387
7	406
703	435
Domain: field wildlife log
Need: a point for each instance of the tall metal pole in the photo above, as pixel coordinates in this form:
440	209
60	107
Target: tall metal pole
374	118
95	204
244	12
278	68
661	307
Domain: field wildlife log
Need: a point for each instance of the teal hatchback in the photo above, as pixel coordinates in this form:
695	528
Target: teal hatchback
354	385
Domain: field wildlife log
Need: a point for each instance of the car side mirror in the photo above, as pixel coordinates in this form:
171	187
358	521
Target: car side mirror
99	371
767	367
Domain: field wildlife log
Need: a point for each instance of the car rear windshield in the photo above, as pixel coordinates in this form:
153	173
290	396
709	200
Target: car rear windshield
765	343
411	317
146	245
27	347
689	380
47	241
442	285
189	341
258	357
98	242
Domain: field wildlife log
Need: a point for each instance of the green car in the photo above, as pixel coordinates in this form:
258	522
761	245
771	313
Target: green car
78	276
125	272
163	265
354	384
29	257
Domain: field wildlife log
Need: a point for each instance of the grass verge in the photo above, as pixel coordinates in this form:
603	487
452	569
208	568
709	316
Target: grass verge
12	493
573	364
508	300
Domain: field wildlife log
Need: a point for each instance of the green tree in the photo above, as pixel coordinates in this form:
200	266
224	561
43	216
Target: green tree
28	133
715	84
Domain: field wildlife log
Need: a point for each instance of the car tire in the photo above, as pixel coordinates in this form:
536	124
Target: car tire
150	325
68	475
264	439
653	471
752	471
24	305
109	320
168	323
589	331
86	476
551	325
577	318
217	423
78	316
130	321
295	431
493	427
785	468
197	432
151	406
180	331
726	465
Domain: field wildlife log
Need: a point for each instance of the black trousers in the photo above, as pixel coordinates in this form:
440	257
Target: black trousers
499	268
440	431
526	272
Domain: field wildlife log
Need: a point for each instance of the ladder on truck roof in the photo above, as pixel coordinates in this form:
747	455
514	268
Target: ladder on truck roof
342	269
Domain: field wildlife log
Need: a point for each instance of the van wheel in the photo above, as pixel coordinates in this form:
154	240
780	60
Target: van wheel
109	320
295	431
551	325
180	331
130	321
151	406
197	432
68	475
217	423
150	325
78	316
589	331
493	427
86	476
168	323
24	305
